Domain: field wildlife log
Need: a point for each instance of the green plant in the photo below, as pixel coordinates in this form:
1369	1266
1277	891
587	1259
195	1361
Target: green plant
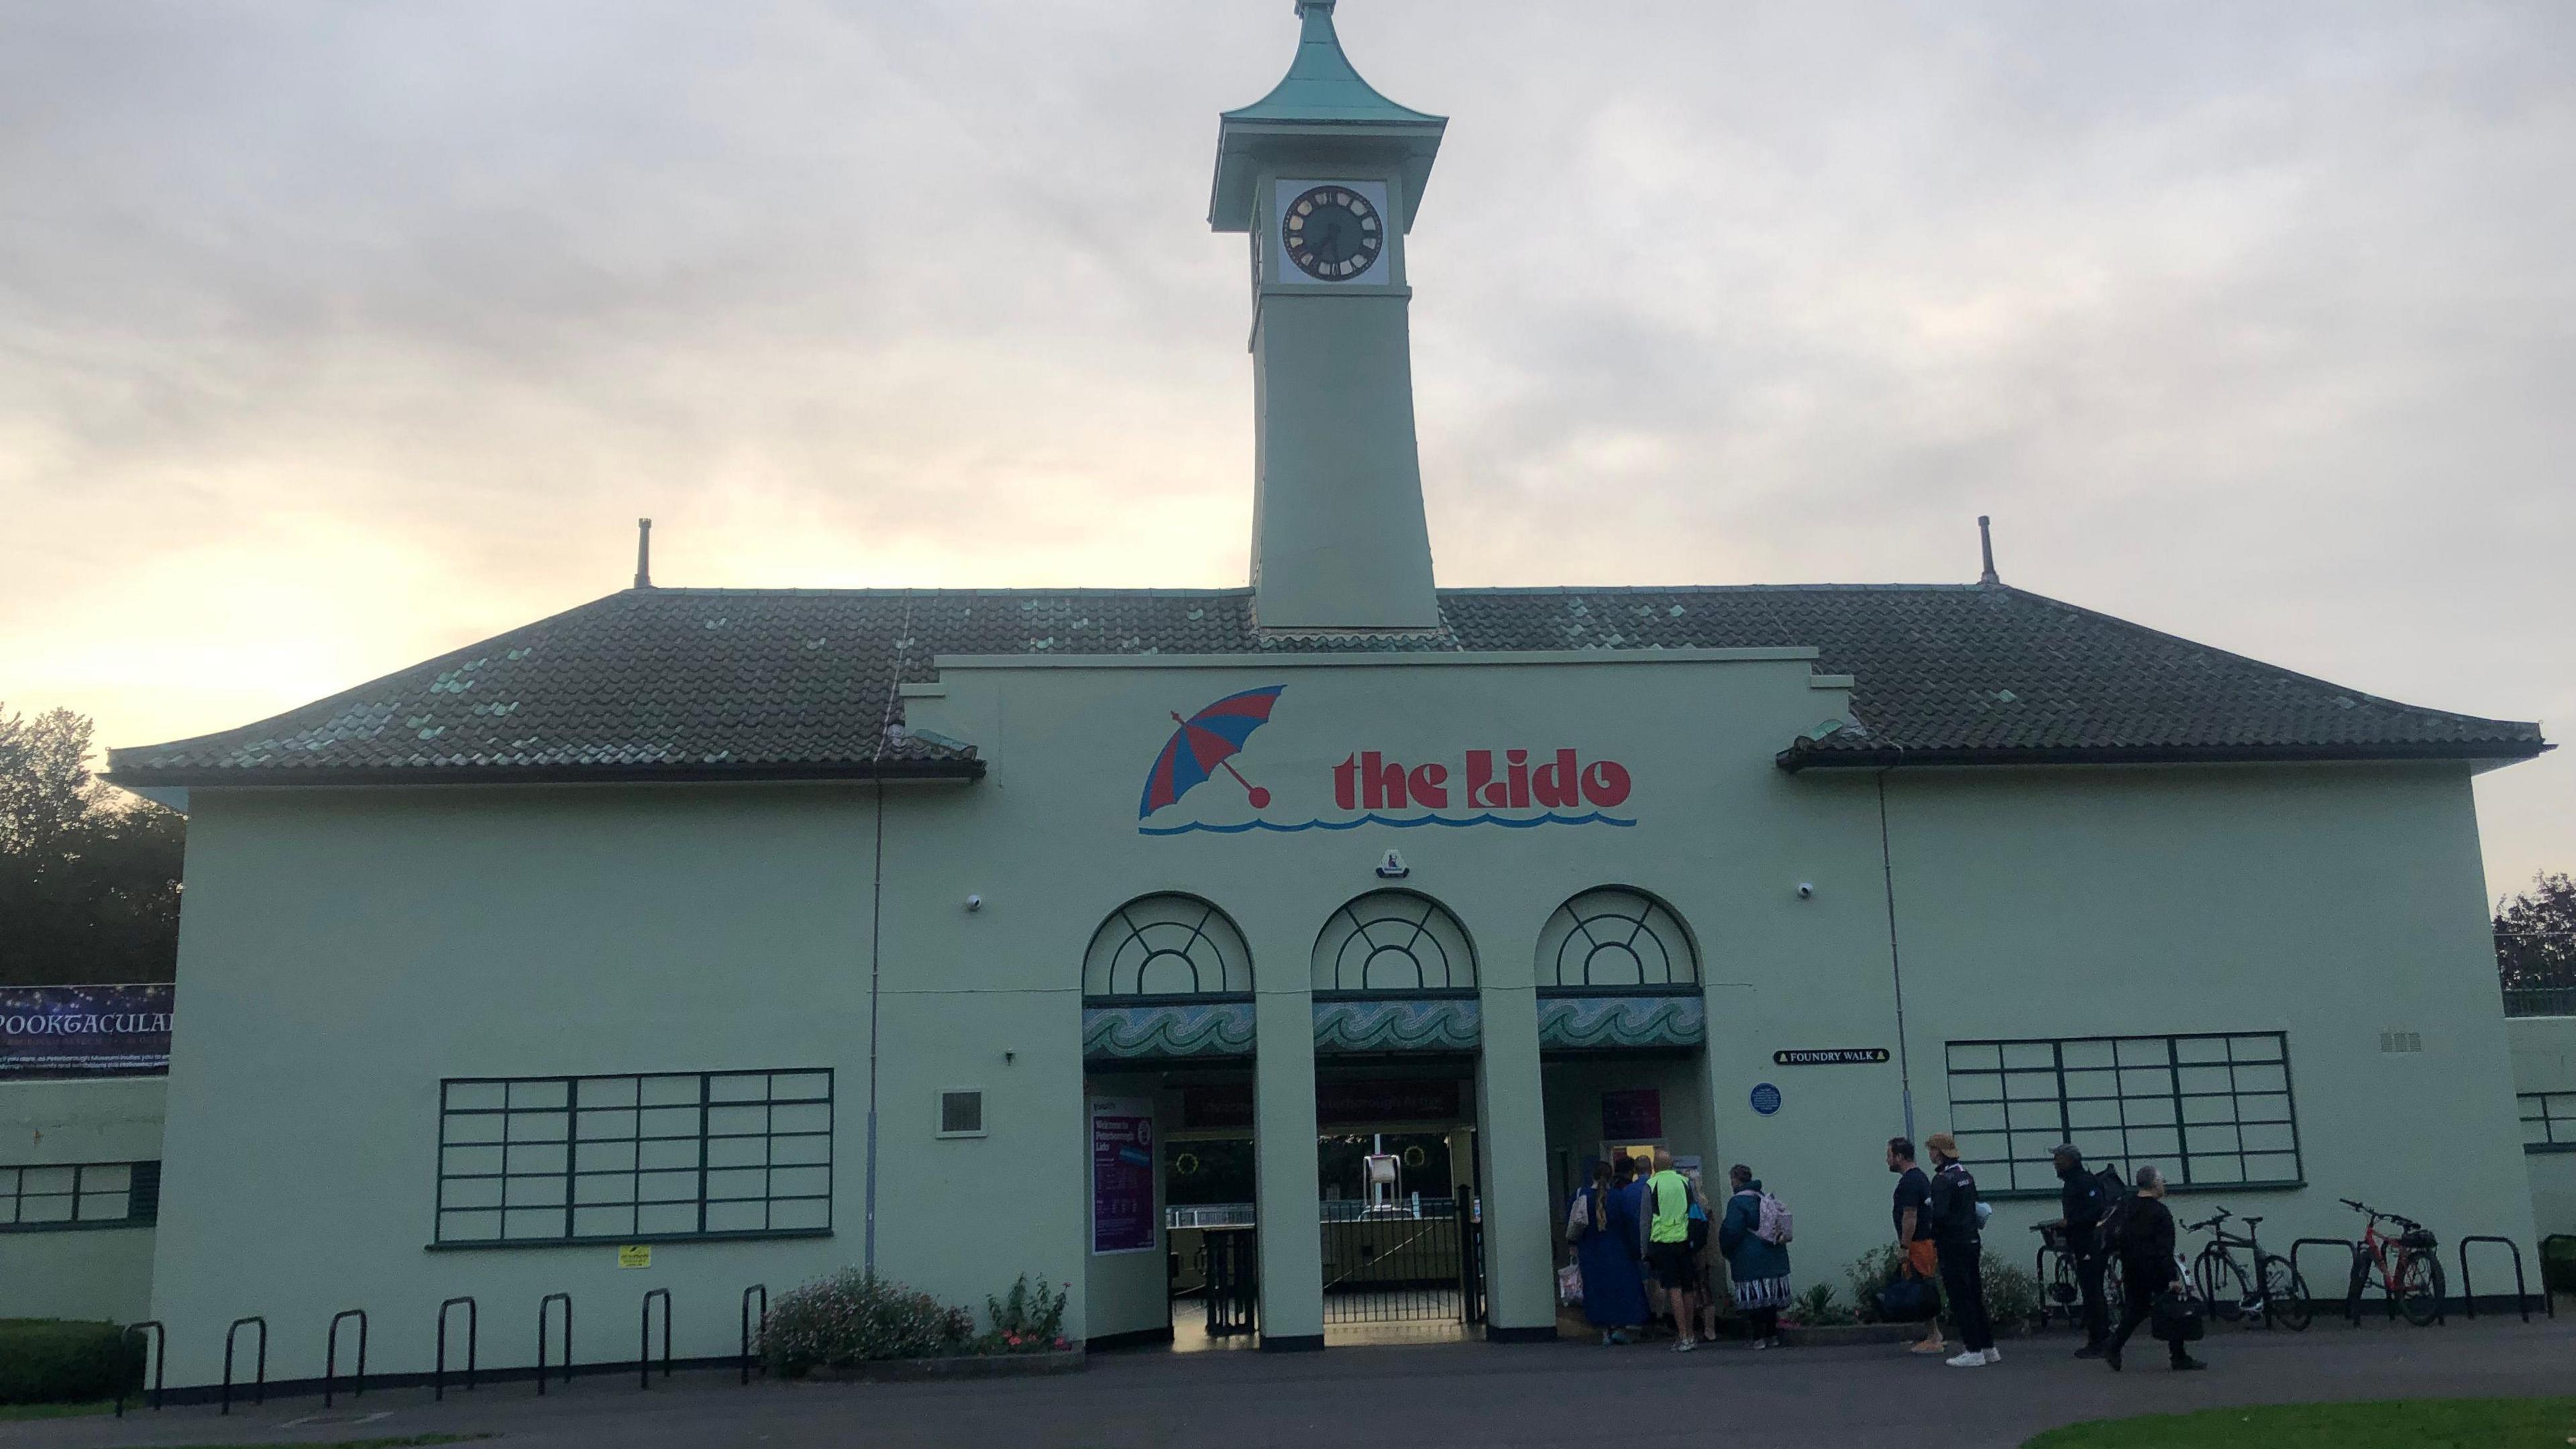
1869	1273
2012	1294
2558	1263
1816	1308
54	1361
855	1317
1029	1319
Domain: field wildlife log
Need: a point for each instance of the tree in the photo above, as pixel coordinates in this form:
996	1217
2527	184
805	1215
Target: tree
89	876
2535	934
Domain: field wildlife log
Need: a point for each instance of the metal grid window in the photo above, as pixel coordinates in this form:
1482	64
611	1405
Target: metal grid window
2210	1109
628	1158
2548	1121
79	1195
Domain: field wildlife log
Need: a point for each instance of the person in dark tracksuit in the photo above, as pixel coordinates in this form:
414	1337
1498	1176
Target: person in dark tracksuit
2143	1230
2079	1200
1955	1237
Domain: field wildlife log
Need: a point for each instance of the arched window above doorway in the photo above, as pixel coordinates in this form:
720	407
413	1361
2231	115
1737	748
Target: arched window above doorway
1615	940
1166	945
1393	942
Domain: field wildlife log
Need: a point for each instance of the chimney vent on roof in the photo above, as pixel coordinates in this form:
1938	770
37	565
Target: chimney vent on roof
1986	546
643	553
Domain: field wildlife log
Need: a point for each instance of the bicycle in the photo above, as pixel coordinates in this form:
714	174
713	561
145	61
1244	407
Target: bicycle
2273	1289
2409	1265
2061	1289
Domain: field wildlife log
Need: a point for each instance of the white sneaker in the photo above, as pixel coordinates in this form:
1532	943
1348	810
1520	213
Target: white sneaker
1994	1355
1970	1359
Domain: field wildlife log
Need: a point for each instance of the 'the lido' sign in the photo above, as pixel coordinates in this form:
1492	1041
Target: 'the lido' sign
1516	788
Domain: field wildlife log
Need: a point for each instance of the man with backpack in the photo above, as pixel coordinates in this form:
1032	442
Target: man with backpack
1958	1242
2081	1201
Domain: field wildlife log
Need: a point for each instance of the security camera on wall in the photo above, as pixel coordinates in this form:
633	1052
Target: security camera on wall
1806	890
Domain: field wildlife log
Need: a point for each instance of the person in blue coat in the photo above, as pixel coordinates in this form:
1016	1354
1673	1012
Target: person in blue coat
1614	1289
1760	1268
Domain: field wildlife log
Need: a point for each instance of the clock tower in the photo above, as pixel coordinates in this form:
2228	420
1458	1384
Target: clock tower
1323	174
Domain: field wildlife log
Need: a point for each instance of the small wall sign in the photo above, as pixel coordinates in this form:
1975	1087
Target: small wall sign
1766	1099
1830	1057
635	1255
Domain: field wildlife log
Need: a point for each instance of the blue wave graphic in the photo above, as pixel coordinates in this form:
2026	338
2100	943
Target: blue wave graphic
1508	822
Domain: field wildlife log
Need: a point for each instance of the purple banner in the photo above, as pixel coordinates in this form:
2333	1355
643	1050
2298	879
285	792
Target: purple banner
1122	1176
84	1029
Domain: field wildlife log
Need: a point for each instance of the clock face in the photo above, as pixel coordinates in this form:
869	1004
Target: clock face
1332	233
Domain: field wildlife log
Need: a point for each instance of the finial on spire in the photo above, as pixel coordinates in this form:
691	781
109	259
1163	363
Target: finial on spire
643	553
1986	546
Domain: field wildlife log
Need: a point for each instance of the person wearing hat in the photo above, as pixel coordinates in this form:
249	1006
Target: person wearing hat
1957	1242
2081	1203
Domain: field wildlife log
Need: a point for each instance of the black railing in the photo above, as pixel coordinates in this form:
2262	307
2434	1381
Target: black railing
158	1352
1393	1268
763	1290
2521	1285
2352	1302
543	1304
473	1333
644	1339
1232	1258
2540	1001
262	1380
331	1355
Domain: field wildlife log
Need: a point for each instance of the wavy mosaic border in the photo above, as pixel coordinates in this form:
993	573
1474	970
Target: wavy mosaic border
1399	1025
1604	1023
1195	1029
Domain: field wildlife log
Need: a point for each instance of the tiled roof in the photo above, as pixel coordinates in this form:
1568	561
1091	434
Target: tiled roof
699	683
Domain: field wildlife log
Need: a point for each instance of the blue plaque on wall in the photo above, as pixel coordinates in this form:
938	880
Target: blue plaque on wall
1766	1099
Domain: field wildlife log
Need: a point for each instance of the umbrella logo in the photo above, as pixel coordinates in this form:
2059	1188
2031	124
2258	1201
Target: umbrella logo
1205	743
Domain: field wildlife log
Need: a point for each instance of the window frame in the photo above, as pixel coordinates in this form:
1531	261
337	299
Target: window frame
142	1180
2177	1163
572	1107
2550	1141
939	1114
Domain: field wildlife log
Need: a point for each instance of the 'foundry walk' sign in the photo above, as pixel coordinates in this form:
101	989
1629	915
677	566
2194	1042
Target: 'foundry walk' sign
1830	1057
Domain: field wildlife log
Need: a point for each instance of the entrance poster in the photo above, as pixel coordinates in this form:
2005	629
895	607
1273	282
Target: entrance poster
85	1028
1122	1176
1632	1115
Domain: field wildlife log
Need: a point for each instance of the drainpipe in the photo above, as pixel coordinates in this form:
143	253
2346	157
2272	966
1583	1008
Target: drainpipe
1895	961
876	932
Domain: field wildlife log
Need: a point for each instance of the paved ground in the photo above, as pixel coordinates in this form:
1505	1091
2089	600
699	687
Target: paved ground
1464	1394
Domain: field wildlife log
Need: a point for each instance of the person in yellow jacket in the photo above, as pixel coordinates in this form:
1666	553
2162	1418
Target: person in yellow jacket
1668	1247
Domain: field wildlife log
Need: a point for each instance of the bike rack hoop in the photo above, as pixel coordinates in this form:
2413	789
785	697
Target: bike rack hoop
2521	1284
262	1380
2352	1302
331	1355
763	1290
644	1338
547	1302
159	1350
473	1332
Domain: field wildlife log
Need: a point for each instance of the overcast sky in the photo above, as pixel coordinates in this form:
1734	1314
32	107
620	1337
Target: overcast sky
334	336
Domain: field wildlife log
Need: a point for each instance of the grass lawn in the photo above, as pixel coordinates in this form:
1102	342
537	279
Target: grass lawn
9	1412
2411	1423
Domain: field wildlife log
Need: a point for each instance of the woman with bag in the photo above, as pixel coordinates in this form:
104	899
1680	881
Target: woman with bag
1604	1235
1759	1266
2141	1231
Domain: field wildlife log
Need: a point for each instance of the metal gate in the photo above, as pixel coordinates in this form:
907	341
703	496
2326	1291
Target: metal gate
1413	1262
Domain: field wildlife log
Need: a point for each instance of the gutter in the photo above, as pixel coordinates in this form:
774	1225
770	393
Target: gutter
1803	756
325	776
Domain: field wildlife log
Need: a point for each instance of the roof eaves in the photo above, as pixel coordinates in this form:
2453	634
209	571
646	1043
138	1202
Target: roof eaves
1808	756
949	767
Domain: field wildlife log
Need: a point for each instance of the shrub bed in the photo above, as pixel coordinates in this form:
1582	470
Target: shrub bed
55	1361
855	1317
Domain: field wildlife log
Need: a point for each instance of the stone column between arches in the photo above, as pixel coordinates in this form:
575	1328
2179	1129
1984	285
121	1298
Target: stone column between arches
1284	1169
1519	1217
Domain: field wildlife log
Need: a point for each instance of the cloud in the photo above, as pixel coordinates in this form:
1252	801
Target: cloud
333	336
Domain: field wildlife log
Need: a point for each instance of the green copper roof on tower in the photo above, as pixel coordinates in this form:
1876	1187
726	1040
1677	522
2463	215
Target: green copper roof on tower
1320	110
1322	85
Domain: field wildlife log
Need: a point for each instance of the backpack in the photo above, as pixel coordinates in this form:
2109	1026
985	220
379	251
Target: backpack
2116	1193
1773	1225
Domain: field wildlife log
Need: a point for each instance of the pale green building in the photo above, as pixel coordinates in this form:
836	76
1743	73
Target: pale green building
974	932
